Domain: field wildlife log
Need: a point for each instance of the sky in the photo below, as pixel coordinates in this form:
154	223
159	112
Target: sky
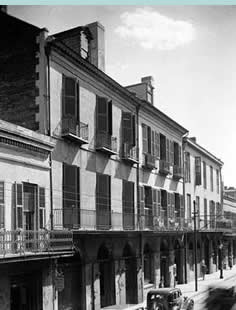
190	51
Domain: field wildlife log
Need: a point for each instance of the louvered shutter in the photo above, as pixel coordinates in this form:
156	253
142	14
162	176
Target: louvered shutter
152	142
145	138
172	205
133	130
2	205
69	97
154	202
198	177
110	117
159	202
167	150
168	205
18	221
171	143
157	144
142	200
102	115
149	136
180	156
42	210
182	211
127	134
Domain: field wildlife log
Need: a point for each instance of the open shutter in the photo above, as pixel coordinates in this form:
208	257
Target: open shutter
182	210
157	144
127	134
168	205
42	205
102	115
110	117
145	138
19	206
154	202
198	178
149	137
153	142
2	205
158	202
167	150
141	200
180	156
172	205
133	130
171	143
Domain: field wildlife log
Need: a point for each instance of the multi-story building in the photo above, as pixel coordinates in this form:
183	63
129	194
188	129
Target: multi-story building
116	168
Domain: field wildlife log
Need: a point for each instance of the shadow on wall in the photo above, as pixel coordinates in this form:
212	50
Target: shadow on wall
123	171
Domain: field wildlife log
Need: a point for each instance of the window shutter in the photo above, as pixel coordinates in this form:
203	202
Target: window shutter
171	143
149	136
110	117
154	202
2	205
145	139
69	98
182	211
142	200
168	205
157	144
180	156
172	205
167	150
152	142
41	207
198	170
158	202
18	221
102	115
133	130
127	134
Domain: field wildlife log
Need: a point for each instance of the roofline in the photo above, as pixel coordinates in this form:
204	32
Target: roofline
203	151
57	45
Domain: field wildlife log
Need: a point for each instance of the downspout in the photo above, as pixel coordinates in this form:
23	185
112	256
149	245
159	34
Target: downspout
185	235
47	52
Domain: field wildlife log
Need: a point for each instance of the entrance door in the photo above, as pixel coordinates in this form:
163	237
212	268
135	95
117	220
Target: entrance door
131	280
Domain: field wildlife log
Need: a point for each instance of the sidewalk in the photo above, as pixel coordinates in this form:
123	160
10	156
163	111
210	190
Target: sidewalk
210	279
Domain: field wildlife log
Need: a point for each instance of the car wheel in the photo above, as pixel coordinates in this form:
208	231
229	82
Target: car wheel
191	305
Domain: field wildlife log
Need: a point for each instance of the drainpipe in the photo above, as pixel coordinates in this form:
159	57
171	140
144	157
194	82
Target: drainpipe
185	235
47	52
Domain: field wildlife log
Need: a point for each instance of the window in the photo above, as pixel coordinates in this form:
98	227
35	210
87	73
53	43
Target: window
2	205
198	176
70	97
104	115
148	206
128	204
42	207
218	210
151	141
204	175
128	128
212	214
189	207
147	260
197	211
164	207
84	45
71	196
177	154
177	205
217	182
187	168
166	149
103	201
211	177
205	213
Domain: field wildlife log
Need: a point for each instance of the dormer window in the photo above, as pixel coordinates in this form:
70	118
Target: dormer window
84	45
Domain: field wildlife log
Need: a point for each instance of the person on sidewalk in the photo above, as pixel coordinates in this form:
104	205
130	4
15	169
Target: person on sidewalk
203	269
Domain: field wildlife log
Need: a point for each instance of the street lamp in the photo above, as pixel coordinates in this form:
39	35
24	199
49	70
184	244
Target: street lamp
220	260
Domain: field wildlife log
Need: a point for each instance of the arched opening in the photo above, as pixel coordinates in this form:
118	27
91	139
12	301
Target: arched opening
164	263
178	261
130	275
148	264
107	277
70	295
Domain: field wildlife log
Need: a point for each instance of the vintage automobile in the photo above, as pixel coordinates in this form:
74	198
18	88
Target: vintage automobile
168	299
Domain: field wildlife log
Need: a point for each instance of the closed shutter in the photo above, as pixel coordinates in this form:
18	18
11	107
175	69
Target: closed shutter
2	205
172	205
152	142
168	205
158	202
18	221
127	134
102	115
149	136
157	144
133	130
154	202
167	150
41	207
141	200
171	152
180	156
145	139
103	200
69	97
110	117
182	210
198	177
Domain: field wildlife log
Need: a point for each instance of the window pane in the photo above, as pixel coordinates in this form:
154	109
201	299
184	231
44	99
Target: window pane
70	89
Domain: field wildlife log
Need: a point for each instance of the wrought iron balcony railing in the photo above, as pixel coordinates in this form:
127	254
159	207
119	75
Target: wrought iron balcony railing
106	143
129	153
177	172
164	167
26	242
74	130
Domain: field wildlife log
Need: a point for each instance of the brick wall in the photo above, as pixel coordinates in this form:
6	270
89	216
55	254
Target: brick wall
18	77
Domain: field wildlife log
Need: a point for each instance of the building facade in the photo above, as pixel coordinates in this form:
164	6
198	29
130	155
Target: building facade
116	169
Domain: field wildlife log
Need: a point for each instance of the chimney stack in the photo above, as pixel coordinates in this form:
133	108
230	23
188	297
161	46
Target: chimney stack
3	8
193	139
97	45
149	81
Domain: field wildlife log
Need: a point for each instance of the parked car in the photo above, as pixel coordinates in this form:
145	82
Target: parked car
221	298
168	299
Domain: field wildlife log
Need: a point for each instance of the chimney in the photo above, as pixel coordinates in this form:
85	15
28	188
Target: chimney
3	8
149	81
97	45
193	139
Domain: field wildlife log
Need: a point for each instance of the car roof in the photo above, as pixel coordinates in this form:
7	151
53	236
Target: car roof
164	291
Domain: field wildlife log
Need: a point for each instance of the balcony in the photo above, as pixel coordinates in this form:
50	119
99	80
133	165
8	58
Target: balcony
149	161
22	243
74	130
106	143
129	153
177	172
164	167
